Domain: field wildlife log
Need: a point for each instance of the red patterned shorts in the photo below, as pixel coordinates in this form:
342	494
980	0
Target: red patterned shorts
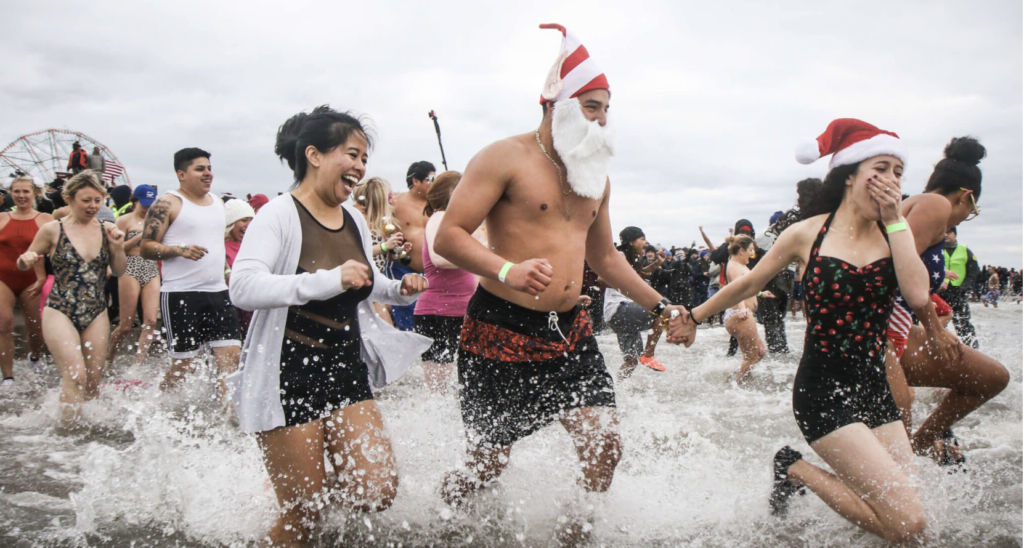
520	369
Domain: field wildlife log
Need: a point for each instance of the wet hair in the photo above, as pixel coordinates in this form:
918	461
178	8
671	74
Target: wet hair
324	129
830	195
183	158
374	194
737	243
85	179
806	190
441	192
959	169
418	170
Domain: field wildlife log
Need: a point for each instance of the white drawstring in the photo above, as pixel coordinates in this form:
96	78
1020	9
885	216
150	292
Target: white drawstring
553	324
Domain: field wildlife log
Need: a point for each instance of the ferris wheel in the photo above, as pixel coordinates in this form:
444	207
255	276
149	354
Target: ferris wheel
44	155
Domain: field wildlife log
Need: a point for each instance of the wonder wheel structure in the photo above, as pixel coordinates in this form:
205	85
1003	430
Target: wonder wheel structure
45	154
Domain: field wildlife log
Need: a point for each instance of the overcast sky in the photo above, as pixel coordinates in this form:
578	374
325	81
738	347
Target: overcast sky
709	99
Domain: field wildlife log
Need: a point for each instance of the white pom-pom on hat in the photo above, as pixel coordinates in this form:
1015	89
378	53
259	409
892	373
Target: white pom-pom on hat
851	141
807	152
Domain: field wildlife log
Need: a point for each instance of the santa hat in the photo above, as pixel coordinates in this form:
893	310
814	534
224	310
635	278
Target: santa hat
851	141
574	72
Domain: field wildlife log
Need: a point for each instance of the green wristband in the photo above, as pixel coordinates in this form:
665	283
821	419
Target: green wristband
383	248
504	271
896	227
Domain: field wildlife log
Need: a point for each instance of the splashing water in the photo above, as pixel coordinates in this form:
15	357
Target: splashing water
167	470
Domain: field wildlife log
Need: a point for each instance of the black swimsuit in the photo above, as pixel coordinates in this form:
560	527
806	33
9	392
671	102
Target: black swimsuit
841	379
321	367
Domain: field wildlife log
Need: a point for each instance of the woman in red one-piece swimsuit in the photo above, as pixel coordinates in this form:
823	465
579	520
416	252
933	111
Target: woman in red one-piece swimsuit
17	230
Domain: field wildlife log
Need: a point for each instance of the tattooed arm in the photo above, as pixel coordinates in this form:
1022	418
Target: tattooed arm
160	216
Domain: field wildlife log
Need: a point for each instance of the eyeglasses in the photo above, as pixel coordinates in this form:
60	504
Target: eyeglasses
974	205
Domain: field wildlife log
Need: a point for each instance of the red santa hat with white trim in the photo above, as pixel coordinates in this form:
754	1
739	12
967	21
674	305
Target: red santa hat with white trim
574	72
851	141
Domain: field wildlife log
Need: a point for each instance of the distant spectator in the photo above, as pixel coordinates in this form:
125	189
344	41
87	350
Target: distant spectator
79	160
96	161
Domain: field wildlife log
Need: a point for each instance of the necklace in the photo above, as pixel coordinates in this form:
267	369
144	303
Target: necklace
536	134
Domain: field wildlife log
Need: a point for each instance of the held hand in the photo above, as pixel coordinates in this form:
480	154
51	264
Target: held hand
584	301
192	252
29	259
952	275
681	328
35	289
743	314
394	241
407	246
768	294
661	258
413	283
354	274
531	277
888	196
945	345
115	236
944	286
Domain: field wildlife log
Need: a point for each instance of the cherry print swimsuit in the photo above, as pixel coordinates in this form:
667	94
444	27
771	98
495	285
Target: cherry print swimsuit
841	379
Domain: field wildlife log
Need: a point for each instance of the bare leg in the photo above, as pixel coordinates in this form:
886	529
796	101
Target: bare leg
652	340
750	342
7	301
902	393
483	465
94	350
128	297
871	487
628	367
226	358
593	433
294	458
33	324
179	368
437	376
66	347
972	380
361	453
150	305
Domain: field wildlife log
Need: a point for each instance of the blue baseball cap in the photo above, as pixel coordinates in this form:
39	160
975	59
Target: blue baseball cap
145	194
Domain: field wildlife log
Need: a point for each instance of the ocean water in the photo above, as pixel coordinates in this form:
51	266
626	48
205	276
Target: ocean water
164	470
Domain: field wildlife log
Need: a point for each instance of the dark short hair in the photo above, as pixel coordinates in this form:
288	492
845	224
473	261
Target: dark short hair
183	158
418	170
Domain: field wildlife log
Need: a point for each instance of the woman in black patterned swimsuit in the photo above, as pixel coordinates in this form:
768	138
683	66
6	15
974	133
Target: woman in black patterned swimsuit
841	398
75	324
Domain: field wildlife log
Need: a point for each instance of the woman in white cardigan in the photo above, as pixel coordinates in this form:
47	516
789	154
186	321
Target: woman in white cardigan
316	349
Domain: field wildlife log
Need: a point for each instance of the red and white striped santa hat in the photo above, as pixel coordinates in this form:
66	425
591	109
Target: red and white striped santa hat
574	72
851	141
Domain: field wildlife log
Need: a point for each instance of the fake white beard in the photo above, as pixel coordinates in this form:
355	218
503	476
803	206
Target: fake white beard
585	148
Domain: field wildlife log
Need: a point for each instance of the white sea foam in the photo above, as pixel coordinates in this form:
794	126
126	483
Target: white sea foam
166	470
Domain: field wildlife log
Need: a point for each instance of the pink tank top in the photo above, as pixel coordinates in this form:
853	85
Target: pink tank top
449	290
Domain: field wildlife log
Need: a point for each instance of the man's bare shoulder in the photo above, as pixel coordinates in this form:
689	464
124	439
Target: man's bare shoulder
504	150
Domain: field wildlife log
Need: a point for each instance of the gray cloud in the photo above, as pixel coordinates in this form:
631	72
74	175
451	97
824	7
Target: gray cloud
709	100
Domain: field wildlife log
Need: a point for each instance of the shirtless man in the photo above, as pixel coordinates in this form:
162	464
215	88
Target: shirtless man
528	355
411	223
185	229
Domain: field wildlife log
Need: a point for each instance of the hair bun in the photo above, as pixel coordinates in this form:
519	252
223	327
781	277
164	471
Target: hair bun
288	137
965	149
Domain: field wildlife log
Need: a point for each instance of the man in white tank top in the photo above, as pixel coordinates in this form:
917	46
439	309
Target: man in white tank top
185	229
